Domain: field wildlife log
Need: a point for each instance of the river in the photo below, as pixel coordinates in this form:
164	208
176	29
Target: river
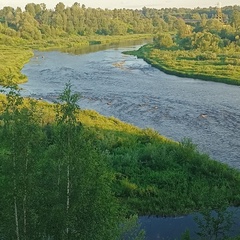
128	88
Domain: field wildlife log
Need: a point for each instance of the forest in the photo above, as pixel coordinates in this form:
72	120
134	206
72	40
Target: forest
36	22
68	173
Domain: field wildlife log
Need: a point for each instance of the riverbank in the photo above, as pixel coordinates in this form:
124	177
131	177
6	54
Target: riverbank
12	60
153	175
188	64
122	91
147	169
16	52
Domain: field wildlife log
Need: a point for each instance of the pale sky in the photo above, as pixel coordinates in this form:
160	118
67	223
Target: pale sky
111	4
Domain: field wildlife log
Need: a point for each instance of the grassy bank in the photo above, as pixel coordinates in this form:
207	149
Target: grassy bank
153	175
193	64
12	60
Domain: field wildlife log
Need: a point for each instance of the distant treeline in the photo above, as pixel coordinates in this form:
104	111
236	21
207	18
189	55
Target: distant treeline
37	22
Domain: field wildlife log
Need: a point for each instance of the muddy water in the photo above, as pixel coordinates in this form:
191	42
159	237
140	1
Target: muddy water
118	85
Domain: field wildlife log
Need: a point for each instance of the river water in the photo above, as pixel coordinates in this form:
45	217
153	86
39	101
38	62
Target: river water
128	88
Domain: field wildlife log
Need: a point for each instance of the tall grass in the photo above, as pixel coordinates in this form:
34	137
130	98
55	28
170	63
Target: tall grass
222	67
12	60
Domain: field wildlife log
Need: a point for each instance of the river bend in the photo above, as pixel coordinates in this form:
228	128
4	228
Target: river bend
128	88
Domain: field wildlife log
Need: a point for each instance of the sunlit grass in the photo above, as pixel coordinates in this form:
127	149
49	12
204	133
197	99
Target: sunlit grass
12	60
223	67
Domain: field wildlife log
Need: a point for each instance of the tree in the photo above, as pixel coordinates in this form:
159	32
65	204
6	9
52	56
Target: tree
236	19
183	29
60	8
68	127
91	211
160	25
215	224
205	41
214	26
118	27
55	184
21	131
164	40
28	27
30	8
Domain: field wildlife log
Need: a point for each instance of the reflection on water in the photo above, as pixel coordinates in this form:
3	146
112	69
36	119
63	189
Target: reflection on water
101	47
170	228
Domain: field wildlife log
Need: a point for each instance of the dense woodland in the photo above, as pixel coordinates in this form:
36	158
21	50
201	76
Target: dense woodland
67	173
37	22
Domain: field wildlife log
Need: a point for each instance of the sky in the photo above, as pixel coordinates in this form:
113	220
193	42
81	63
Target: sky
133	4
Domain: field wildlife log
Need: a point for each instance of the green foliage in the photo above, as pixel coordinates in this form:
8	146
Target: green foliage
153	169
235	19
21	137
201	53
55	184
131	229
68	108
205	41
71	27
164	41
186	235
37	22
214	224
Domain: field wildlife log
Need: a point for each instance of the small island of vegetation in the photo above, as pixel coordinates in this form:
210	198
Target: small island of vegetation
67	173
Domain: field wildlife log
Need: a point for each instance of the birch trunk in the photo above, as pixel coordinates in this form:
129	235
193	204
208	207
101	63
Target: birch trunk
25	200
15	196
68	180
